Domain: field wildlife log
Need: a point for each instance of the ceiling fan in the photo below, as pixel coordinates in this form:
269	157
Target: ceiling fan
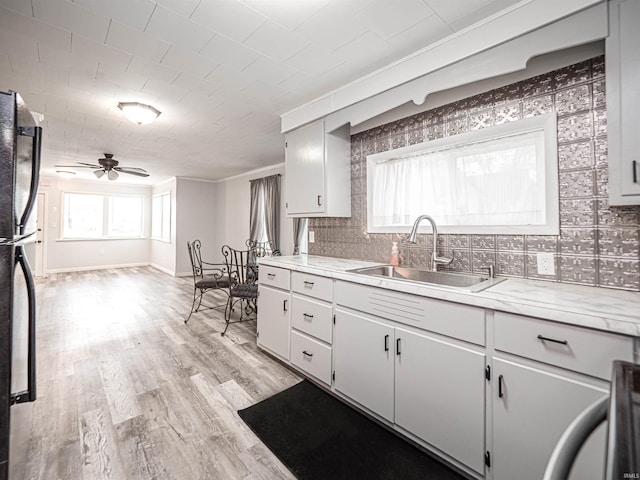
109	166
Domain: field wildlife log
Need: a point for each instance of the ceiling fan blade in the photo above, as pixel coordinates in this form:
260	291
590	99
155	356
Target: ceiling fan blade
135	169
78	166
139	174
93	165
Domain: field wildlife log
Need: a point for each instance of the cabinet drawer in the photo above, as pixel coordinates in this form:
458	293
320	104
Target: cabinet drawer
312	285
574	348
273	276
311	356
312	317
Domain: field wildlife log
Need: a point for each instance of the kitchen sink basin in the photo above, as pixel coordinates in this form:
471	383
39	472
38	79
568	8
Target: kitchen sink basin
458	281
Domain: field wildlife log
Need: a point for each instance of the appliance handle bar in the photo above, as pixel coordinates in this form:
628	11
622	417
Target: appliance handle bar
36	134
21	259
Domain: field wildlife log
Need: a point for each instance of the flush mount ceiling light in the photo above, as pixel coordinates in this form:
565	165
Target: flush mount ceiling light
139	112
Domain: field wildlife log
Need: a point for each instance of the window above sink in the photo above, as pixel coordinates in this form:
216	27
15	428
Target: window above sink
502	179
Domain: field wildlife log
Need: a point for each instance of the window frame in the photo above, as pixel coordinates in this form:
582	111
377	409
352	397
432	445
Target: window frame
547	123
105	216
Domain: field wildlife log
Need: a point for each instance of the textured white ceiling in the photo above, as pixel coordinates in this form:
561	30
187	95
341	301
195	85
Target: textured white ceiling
220	71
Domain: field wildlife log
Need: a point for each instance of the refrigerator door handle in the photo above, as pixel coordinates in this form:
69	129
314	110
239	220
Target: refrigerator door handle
36	134
30	394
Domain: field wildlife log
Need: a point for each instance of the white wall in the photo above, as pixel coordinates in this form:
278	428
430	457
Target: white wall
196	218
69	255
233	202
162	253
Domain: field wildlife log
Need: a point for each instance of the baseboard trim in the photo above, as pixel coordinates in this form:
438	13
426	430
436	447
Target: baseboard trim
163	269
95	267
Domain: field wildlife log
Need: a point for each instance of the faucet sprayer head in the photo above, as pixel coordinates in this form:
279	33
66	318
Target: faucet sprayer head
410	237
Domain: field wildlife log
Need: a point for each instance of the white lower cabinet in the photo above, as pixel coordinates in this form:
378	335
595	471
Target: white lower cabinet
532	408
439	395
491	392
274	320
431	388
363	361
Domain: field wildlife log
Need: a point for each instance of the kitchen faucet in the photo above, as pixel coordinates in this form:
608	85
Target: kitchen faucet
435	259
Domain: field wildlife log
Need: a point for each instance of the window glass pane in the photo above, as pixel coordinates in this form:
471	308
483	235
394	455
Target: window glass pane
480	182
125	216
82	215
166	217
156	217
161	216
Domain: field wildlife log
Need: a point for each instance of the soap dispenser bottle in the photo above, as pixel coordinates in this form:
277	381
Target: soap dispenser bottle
395	259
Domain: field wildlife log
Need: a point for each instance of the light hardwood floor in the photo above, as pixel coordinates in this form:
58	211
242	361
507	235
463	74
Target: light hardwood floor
126	390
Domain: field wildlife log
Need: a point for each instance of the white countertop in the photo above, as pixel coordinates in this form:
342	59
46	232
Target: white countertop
604	309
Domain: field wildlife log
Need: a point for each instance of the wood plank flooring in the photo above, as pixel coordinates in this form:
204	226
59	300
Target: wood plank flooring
126	390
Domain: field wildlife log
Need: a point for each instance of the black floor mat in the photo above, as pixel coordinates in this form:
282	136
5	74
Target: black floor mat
320	438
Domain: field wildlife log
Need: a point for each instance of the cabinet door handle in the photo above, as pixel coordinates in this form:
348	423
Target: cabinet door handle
319	200
398	346
307	316
500	392
386	343
547	339
271	275
307	354
634	164
308	284
284	305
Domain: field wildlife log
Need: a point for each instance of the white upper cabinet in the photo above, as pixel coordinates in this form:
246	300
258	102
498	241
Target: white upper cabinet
623	102
318	171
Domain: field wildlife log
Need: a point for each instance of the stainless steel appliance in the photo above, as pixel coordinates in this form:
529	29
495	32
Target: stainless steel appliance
622	410
20	141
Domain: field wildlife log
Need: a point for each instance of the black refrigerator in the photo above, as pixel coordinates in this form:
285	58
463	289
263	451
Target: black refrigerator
20	141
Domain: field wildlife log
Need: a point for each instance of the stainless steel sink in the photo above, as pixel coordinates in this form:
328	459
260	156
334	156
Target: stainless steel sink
458	281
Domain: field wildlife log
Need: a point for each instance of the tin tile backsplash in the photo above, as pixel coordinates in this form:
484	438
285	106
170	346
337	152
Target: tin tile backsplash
597	245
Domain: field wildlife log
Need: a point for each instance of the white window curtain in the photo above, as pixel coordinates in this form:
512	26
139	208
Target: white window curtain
493	182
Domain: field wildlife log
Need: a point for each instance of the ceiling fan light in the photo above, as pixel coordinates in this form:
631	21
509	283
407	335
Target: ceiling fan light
112	174
139	112
98	173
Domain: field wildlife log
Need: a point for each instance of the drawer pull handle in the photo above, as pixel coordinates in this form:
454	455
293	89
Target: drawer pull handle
386	343
304	352
398	346
500	392
547	339
308	284
307	316
284	305
271	275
